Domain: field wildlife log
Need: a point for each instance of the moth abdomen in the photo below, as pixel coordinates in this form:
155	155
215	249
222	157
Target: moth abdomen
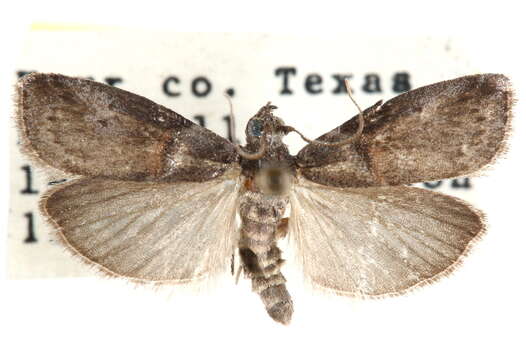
267	281
260	255
266	264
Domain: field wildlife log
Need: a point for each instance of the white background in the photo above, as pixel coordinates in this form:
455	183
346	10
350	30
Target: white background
477	313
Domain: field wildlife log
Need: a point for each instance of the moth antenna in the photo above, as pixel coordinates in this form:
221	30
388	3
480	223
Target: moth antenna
356	136
262	147
361	119
232	122
254	156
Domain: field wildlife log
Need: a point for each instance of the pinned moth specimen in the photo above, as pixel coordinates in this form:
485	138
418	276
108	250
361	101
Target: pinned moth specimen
156	198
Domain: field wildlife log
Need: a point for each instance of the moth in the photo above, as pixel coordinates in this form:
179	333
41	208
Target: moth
158	199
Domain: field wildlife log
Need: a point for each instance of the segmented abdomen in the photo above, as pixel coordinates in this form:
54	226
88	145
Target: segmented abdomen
260	256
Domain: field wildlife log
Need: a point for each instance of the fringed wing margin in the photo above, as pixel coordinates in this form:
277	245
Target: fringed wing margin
147	232
445	130
379	241
82	127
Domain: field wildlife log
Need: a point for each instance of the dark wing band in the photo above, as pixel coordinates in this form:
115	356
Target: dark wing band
87	128
449	129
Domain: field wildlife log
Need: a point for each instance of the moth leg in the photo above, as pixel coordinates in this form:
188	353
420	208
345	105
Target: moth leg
233	266
283	228
238	273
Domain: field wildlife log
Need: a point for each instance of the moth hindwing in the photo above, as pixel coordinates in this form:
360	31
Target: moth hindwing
156	196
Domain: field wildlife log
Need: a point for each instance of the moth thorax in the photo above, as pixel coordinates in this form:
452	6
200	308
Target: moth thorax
273	180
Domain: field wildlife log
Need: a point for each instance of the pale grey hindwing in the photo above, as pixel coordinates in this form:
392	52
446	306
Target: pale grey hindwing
377	241
148	231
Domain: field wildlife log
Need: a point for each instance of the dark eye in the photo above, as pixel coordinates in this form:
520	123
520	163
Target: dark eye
256	128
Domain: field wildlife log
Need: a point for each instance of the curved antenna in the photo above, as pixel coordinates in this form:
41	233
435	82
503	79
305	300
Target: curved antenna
253	156
356	136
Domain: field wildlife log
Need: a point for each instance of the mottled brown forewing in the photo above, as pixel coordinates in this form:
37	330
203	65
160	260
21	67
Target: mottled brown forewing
444	130
87	128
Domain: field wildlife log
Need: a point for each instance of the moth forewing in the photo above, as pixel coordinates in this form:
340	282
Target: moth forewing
124	136
444	130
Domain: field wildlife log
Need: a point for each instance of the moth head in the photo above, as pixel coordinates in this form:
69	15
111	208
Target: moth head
264	123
